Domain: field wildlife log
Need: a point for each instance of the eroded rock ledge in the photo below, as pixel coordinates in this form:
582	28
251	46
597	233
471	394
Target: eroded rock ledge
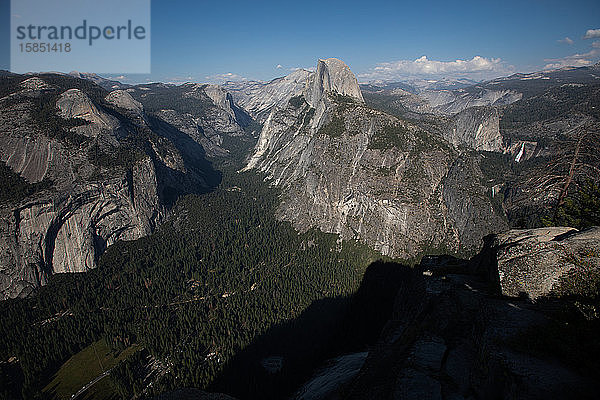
453	337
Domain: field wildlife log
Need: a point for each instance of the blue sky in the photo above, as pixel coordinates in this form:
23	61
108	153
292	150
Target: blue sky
92	52
213	41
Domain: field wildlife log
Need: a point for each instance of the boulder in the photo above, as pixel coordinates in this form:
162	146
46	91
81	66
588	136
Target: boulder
538	262
122	99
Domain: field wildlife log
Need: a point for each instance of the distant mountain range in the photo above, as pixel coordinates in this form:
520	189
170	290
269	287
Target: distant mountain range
107	84
232	225
404	167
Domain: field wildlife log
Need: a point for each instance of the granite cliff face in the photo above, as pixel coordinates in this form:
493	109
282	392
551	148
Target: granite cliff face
102	176
476	128
53	235
331	76
547	261
259	98
452	102
452	337
207	114
369	176
535	120
123	101
471	126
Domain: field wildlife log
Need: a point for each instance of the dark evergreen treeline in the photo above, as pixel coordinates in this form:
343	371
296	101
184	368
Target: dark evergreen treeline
555	103
156	97
581	208
328	328
209	295
220	274
14	187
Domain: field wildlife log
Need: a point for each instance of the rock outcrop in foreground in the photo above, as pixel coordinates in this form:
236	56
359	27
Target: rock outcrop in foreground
544	261
452	337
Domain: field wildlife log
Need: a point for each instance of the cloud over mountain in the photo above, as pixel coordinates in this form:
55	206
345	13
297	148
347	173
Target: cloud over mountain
592	34
225	77
575	60
477	68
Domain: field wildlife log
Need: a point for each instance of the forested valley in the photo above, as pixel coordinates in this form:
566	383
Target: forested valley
214	292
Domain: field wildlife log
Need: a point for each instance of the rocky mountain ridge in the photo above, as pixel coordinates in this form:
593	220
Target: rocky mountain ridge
207	114
108	84
105	177
534	120
387	165
258	98
349	169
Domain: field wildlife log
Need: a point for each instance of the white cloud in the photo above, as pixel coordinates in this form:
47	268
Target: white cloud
311	69
579	59
566	40
279	66
221	78
476	68
592	34
179	79
575	60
